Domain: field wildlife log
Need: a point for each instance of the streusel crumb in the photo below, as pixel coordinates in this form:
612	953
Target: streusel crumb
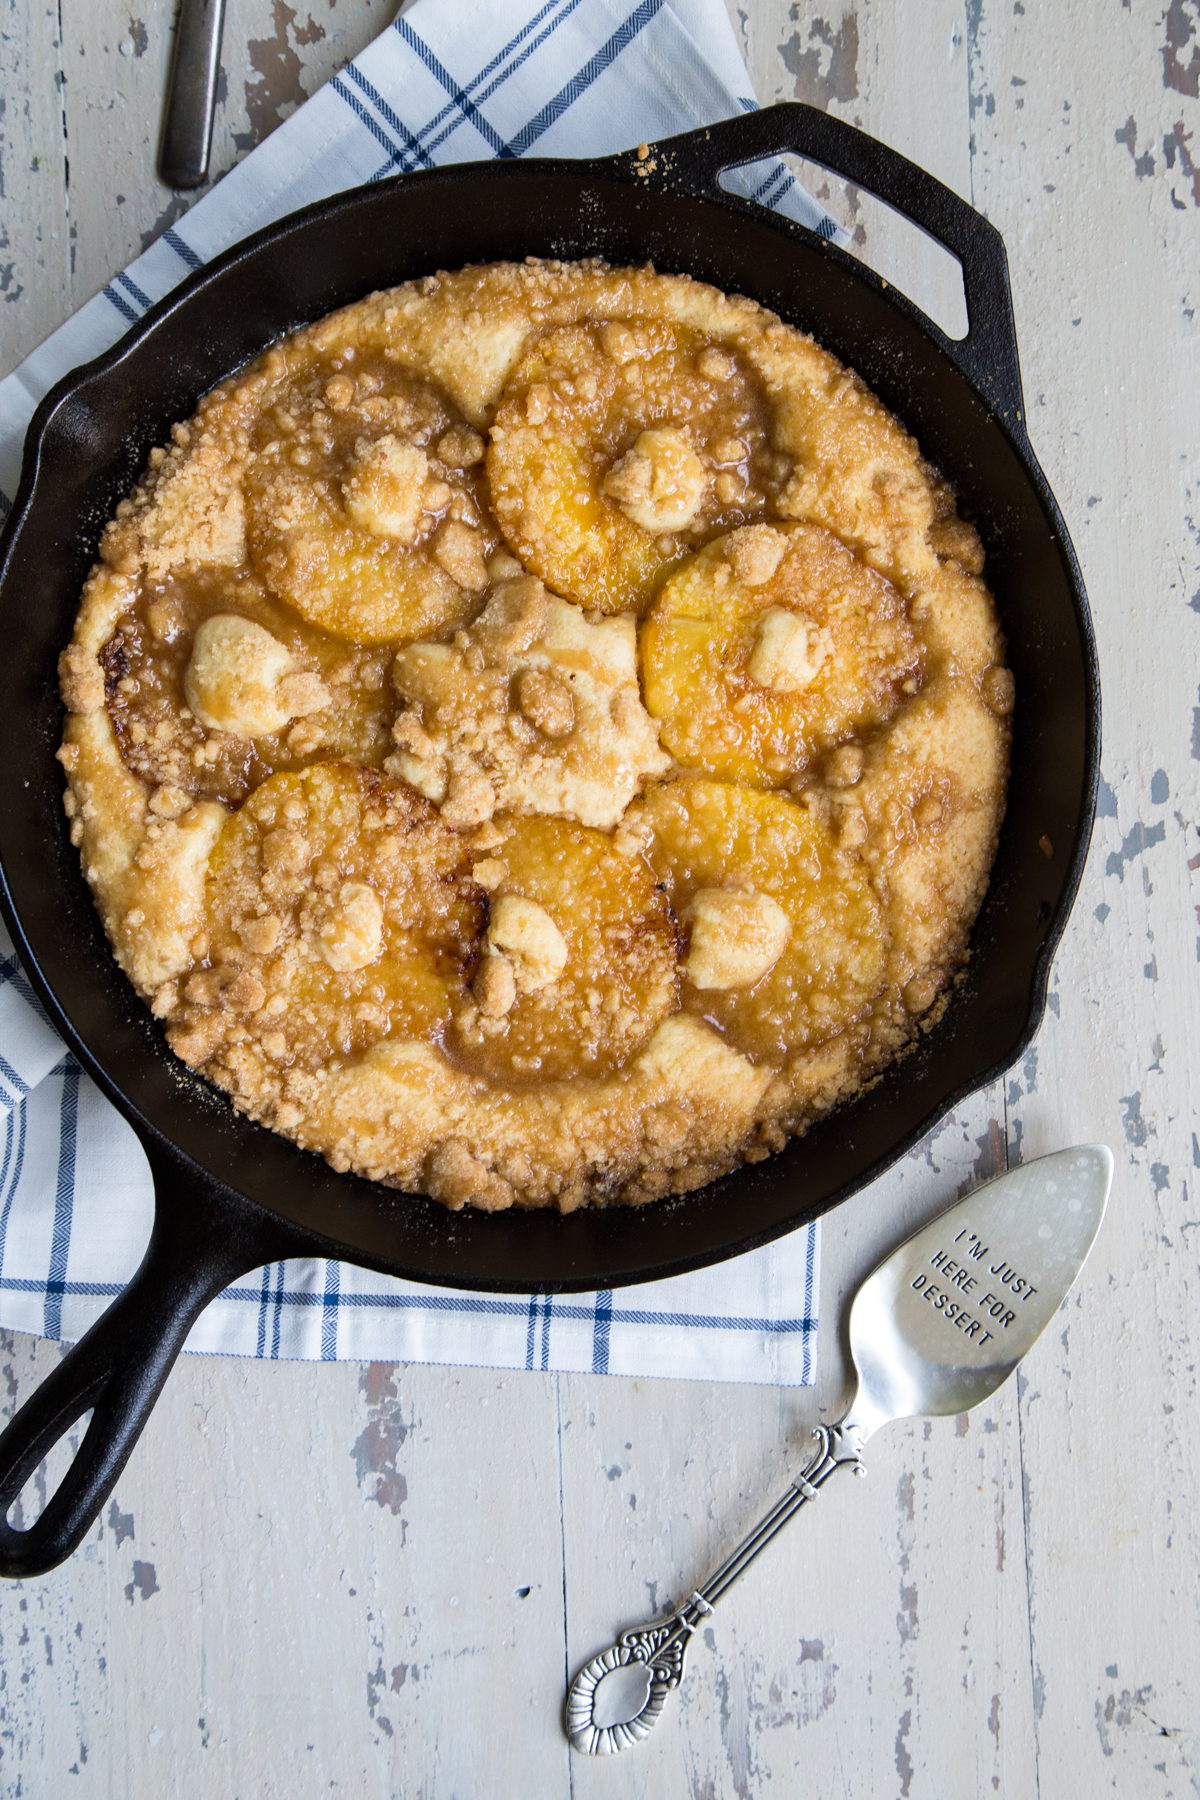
537	737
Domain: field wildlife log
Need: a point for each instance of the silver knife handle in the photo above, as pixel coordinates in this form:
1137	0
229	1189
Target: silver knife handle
192	94
615	1700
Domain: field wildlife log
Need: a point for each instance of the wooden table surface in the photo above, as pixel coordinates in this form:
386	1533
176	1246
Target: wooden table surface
373	1580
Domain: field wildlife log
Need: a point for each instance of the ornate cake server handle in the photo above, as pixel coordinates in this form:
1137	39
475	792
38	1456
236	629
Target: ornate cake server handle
615	1699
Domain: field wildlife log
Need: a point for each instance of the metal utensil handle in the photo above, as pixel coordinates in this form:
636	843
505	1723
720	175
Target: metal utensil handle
988	354
117	1369
192	94
662	1648
838	1446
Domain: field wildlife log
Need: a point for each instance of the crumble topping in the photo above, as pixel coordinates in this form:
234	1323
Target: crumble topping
736	939
389	489
660	483
535	708
526	937
243	681
538	736
788	651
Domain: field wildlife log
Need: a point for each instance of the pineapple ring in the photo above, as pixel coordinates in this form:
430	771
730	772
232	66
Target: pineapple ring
341	912
709	837
616	448
590	1010
356	520
163	742
770	647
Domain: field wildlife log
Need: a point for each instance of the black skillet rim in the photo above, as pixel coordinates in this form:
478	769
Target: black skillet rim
1006	418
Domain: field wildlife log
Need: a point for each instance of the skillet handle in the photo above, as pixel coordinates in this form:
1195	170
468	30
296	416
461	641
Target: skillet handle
988	355
201	1241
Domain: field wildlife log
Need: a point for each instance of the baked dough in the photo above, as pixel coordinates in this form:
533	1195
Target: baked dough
538	736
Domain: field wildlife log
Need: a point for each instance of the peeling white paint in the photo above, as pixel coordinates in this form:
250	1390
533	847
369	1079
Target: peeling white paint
268	1604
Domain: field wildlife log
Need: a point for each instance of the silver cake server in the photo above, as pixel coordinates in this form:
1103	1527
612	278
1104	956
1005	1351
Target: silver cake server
934	1330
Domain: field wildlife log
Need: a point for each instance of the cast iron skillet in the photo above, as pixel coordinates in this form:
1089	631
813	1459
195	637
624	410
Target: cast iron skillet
231	1195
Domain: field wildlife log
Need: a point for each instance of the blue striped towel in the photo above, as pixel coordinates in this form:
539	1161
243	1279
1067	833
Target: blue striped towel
449	81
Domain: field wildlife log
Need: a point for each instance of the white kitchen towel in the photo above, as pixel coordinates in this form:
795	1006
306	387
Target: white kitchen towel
449	81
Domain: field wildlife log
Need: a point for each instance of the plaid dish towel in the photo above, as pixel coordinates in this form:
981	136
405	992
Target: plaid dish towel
449	81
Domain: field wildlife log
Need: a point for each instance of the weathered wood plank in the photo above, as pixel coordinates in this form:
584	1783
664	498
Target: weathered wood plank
276	56
311	1576
1080	161
54	1639
79	184
116	72
470	1598
35	241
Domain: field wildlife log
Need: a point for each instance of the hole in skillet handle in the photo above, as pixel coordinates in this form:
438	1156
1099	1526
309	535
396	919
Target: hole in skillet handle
41	1487
987	355
204	1237
905	257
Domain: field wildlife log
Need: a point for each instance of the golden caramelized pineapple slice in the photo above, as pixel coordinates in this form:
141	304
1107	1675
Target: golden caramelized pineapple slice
618	447
769	647
213	685
786	937
365	511
580	959
341	912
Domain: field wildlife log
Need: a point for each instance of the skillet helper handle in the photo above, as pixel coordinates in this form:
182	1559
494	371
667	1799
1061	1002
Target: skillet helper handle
988	355
199	1244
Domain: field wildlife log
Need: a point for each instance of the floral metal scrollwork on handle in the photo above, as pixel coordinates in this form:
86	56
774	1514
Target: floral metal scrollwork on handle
660	1651
615	1700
